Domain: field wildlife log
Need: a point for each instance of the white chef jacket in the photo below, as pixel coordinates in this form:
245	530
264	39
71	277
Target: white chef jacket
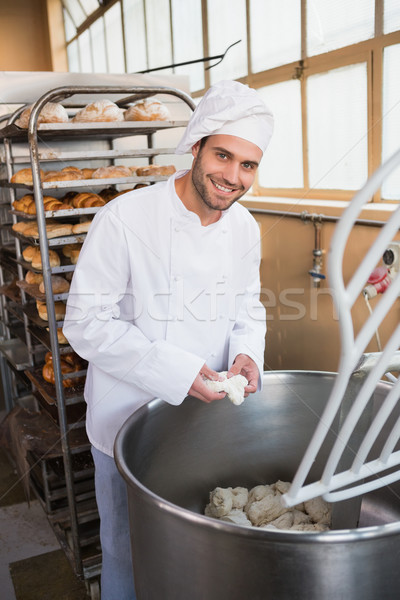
154	296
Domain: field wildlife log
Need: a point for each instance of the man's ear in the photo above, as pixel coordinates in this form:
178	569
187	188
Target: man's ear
196	148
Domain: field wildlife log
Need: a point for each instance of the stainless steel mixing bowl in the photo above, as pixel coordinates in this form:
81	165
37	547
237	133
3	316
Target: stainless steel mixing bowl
171	457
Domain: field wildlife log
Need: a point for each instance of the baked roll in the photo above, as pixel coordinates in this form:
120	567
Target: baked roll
29	252
112	171
82	227
147	110
62	176
59	310
60	336
155	170
52	112
87	200
33	278
101	110
54	259
59	285
25	176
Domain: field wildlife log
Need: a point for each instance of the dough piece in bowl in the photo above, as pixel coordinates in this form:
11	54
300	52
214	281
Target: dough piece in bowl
266	510
319	510
240	497
221	502
236	516
234	387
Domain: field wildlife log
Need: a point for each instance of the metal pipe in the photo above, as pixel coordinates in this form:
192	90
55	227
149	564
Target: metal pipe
306	216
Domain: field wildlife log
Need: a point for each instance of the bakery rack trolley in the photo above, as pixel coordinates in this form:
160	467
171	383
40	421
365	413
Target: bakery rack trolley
69	532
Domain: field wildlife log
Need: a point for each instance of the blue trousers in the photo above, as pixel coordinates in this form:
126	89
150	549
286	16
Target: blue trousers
112	502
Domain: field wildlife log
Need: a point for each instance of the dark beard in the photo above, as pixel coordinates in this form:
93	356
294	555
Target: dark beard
198	180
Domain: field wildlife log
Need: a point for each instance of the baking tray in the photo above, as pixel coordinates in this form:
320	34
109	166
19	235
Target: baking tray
33	290
31	312
60	241
43	336
72	395
65	266
104	130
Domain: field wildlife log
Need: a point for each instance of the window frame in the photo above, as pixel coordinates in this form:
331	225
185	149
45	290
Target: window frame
369	51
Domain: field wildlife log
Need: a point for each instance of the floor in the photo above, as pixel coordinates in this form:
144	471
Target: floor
32	565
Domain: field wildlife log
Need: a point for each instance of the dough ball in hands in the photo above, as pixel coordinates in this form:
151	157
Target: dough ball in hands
234	387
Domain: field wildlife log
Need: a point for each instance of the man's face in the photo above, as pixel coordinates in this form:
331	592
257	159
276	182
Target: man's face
224	169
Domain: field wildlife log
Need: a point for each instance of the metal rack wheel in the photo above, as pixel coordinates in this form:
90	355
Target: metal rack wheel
93	588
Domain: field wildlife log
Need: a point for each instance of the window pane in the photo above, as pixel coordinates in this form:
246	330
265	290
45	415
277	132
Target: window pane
223	32
391	18
70	29
282	164
73	57
89	6
337	128
158	33
391	118
75	11
188	40
115	49
338	23
135	39
268	19
98	46
85	52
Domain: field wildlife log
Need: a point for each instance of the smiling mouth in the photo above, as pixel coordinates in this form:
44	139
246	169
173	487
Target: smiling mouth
222	188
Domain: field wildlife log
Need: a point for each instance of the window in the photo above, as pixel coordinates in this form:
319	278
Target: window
327	68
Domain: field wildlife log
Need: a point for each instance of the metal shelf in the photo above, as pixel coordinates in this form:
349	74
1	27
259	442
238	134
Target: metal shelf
102	130
16	353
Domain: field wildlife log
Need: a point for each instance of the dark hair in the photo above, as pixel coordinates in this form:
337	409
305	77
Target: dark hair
203	142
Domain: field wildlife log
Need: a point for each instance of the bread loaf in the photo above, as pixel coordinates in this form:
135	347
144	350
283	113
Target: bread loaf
59	308
21	226
52	112
108	193
87	200
112	171
33	278
29	252
81	227
48	373
87	173
101	110
155	170
59	285
147	110
62	176
25	176
54	259
60	336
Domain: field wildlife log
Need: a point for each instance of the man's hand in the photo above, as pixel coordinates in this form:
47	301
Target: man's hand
199	388
244	365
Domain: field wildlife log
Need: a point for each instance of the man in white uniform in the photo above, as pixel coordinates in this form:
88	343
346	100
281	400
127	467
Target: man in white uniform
166	292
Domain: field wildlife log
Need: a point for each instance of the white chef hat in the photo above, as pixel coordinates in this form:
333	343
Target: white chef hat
229	108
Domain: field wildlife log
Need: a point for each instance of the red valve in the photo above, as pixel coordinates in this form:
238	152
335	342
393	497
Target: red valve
380	279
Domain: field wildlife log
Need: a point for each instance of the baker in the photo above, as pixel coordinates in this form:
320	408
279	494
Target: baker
166	293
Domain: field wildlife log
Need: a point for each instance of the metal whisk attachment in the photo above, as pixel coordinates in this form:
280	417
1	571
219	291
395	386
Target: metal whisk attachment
358	373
